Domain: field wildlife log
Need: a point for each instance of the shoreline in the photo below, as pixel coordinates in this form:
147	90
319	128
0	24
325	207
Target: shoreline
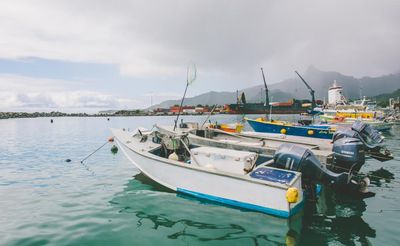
25	115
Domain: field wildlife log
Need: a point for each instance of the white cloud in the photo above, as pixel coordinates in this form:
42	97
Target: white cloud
75	101
31	94
228	40
158	38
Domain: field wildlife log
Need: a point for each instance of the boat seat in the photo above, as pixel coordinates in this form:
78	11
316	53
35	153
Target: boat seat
226	160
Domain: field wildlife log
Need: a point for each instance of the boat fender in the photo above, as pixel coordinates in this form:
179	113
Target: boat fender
310	132
111	139
292	195
173	156
283	131
114	149
290	241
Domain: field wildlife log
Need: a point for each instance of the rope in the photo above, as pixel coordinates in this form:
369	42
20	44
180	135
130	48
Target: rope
94	152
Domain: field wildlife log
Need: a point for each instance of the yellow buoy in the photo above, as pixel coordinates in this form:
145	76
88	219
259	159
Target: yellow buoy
310	132
292	194
283	131
290	241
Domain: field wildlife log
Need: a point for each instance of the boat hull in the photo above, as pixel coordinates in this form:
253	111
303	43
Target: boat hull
226	189
290	107
345	122
303	131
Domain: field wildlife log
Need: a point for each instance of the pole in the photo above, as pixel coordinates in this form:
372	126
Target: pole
266	95
270	109
215	106
180	107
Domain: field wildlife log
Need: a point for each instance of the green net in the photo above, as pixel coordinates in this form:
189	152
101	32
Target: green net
191	73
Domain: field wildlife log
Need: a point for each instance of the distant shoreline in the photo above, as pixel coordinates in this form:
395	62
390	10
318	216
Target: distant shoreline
25	115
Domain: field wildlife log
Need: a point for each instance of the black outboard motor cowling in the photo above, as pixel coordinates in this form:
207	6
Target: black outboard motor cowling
367	131
349	155
371	139
297	158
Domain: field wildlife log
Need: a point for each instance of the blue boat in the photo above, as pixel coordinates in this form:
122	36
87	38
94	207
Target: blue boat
282	127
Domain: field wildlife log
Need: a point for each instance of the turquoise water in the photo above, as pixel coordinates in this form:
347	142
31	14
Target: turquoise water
47	201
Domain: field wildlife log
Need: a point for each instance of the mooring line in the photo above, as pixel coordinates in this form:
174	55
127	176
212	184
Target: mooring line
94	151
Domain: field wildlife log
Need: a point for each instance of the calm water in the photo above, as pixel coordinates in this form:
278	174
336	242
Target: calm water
45	200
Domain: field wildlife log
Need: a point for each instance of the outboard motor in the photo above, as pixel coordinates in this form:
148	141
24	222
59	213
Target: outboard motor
297	158
300	159
349	155
371	139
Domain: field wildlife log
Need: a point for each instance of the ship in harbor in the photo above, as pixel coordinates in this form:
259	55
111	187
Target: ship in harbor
293	106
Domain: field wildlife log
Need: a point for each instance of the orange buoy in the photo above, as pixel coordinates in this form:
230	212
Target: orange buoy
111	139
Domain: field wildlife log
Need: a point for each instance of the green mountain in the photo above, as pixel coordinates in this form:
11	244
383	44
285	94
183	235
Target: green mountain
320	81
383	99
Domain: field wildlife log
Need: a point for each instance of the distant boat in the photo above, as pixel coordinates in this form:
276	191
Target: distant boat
293	106
231	127
380	125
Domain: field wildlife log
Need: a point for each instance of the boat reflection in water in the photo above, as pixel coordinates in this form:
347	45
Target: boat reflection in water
335	218
190	219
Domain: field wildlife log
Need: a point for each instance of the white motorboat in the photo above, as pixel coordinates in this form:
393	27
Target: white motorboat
237	178
262	143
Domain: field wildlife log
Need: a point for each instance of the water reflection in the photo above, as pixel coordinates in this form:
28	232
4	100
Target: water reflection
335	218
155	207
380	175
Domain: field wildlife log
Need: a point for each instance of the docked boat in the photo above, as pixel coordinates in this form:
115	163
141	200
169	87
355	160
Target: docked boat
282	127
268	143
293	106
249	141
338	111
340	121
212	174
231	127
244	179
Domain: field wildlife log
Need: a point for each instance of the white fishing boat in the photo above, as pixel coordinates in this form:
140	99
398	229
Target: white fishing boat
236	178
262	143
268	143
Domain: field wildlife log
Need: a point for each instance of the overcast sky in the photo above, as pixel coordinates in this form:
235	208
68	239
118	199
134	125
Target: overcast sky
91	55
